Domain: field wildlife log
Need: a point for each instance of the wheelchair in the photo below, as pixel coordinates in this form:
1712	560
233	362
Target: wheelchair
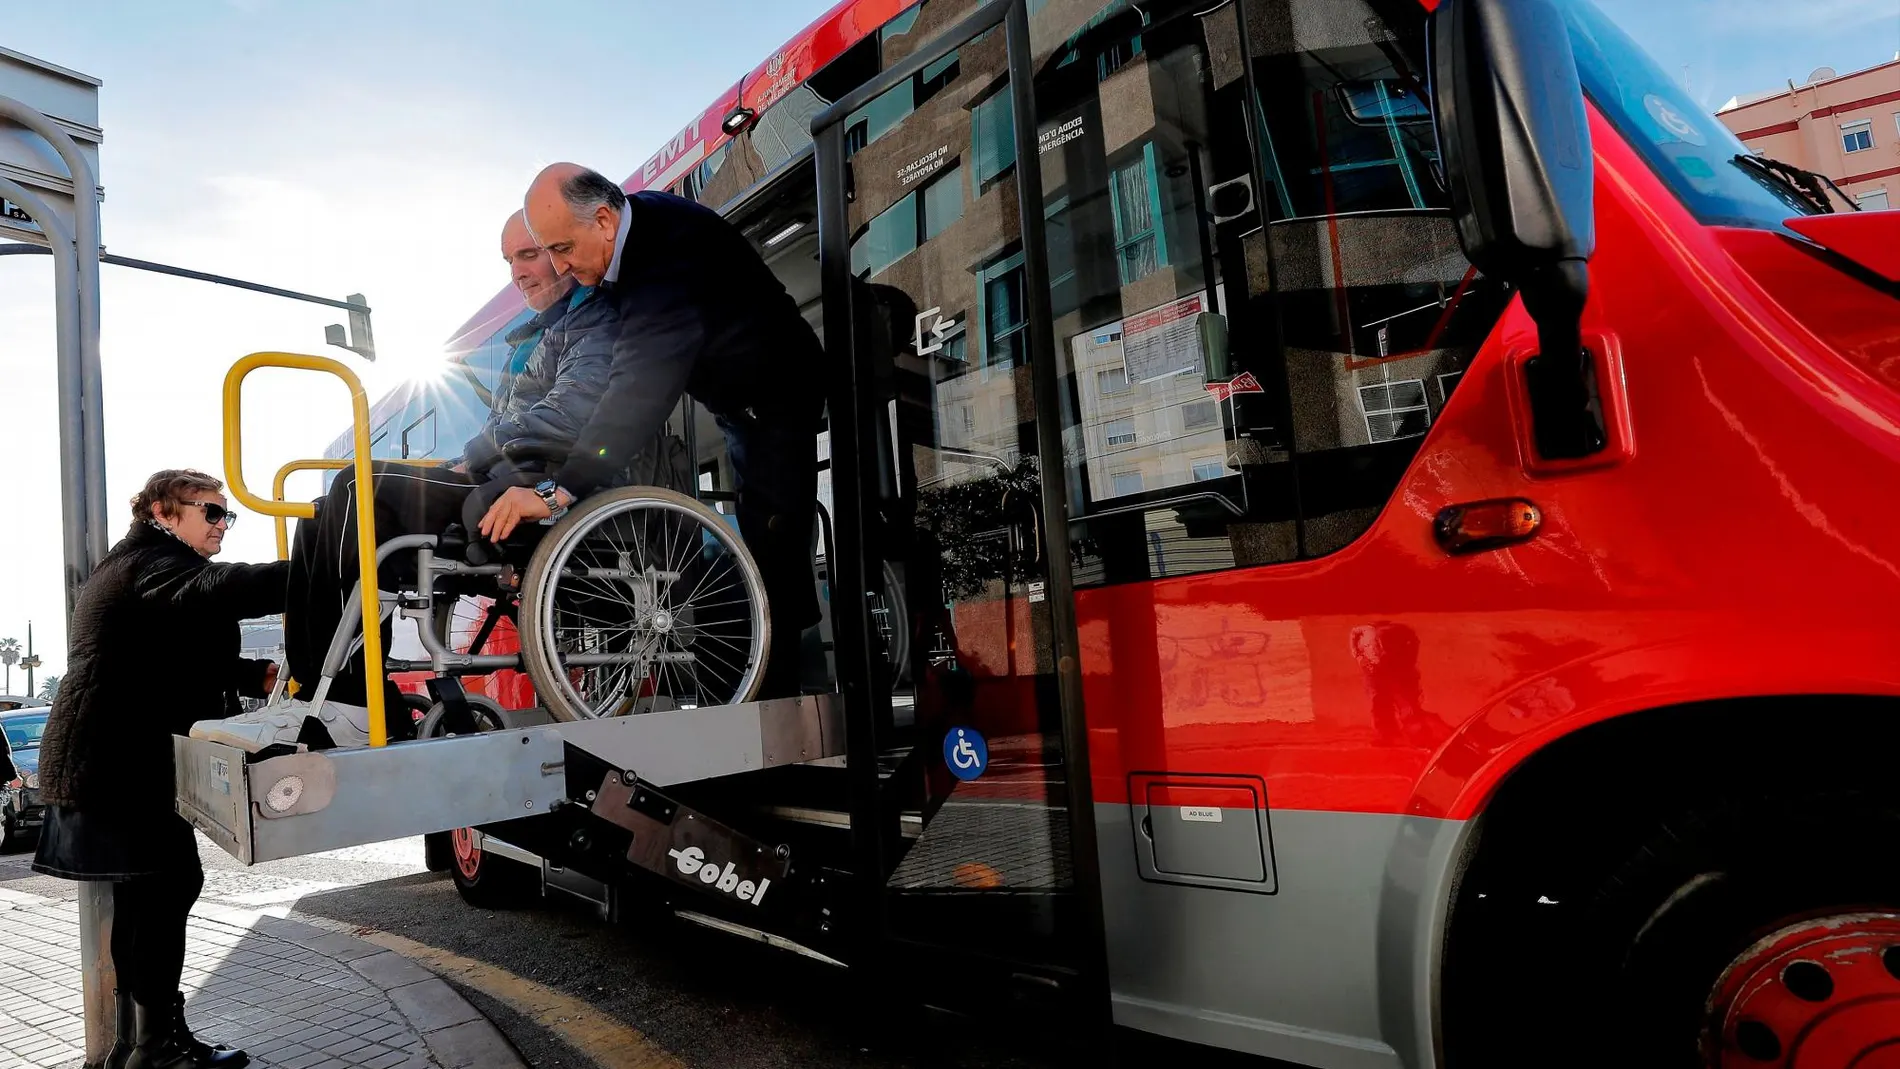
639	599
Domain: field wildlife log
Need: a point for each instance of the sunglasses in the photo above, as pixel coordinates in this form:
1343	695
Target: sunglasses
214	513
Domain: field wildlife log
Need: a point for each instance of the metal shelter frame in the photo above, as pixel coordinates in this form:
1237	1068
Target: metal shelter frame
82	468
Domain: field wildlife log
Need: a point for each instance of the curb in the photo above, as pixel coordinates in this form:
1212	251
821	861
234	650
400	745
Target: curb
457	1035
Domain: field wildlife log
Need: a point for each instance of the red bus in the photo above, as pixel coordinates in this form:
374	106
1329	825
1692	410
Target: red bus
1363	679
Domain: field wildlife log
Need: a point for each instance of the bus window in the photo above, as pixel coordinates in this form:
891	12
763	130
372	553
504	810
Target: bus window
489	364
1254	274
379	445
418	438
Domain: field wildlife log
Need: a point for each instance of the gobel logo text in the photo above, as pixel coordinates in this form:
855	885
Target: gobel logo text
692	862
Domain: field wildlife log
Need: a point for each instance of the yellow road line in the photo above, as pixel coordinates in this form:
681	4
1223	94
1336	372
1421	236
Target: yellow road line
589	1030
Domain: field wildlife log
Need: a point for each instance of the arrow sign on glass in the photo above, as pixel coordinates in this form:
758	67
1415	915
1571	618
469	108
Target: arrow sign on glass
931	324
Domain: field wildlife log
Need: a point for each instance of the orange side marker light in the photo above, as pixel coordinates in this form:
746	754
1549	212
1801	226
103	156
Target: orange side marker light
1483	525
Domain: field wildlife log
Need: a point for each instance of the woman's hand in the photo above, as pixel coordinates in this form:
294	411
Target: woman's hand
270	678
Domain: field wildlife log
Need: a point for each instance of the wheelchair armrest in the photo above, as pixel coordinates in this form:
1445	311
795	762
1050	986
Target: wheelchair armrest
519	450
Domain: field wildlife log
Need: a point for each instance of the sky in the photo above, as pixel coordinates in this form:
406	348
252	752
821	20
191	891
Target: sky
359	146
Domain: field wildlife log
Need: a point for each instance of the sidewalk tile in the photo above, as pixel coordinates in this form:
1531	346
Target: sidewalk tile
433	1004
389	969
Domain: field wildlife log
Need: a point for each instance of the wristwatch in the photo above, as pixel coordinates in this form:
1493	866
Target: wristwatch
547	489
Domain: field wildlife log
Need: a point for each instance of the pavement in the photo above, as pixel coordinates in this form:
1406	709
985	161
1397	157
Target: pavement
296	960
295	995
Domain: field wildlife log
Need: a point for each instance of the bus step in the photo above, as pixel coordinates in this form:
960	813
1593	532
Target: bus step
745	932
910	824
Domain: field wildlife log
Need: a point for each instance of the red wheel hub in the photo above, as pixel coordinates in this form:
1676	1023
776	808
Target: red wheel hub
1818	994
468	856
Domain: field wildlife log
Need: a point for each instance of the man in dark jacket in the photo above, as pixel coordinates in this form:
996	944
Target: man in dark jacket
544	406
699	312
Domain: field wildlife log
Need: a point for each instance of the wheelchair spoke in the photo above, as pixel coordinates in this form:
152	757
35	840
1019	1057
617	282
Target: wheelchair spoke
658	603
703	580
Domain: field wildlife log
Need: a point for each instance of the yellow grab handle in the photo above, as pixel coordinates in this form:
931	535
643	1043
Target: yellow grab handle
277	494
365	517
324	464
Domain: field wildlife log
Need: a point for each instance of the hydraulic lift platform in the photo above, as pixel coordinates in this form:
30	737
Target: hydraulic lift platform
302	803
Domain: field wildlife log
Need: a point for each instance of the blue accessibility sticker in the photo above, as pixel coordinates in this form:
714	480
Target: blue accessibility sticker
966	753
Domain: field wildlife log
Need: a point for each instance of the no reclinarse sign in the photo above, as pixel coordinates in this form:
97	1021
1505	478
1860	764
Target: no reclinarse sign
924	166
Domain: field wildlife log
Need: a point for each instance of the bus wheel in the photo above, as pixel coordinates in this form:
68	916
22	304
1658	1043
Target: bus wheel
438	850
489	881
1761	933
1824	990
438	854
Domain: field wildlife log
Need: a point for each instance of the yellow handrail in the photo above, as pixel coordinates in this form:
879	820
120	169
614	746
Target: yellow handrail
324	464
277	494
365	517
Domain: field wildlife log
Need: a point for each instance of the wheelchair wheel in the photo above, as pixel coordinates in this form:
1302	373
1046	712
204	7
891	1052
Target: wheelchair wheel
890	614
641	600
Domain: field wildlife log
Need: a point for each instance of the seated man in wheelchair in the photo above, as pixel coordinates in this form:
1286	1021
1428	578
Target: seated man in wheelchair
567	348
636	599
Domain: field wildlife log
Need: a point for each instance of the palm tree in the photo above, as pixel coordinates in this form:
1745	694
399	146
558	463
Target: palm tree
50	689
9	656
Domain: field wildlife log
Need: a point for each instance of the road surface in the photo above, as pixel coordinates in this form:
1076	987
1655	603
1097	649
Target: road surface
572	992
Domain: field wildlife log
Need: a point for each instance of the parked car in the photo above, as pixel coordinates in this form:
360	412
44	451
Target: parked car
21	810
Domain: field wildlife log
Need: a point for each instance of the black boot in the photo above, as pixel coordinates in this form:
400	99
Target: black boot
123	1030
220	1056
163	1043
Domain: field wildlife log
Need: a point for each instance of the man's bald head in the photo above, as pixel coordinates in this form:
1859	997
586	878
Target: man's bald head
574	214
530	268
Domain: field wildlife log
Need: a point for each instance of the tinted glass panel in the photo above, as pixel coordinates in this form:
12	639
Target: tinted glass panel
1260	299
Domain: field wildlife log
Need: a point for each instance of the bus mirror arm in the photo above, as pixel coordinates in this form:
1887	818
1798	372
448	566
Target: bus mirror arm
1514	141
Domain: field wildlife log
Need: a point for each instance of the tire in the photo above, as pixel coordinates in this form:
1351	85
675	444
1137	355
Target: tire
413	704
489	881
438	855
540	647
9	831
438	848
1714	882
1637	977
487	712
897	618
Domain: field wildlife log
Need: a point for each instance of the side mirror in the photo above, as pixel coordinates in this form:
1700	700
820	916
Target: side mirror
1514	141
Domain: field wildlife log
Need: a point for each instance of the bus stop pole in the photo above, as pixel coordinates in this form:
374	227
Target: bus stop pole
82	482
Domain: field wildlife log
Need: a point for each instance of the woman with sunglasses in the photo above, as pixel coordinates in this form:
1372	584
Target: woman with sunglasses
153	648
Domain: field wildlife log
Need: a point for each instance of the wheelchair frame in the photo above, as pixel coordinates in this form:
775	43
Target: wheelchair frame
421	604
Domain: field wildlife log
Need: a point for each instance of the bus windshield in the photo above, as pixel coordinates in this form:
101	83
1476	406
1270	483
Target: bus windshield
1693	153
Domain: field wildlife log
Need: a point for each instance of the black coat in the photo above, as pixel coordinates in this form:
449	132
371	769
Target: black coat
698	312
152	648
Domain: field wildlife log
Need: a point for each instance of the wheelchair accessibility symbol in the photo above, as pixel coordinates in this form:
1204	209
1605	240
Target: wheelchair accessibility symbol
966	753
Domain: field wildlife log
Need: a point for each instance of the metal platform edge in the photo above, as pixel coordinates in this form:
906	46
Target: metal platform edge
311	802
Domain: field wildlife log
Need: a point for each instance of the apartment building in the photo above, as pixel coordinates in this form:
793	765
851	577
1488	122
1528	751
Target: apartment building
1845	126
